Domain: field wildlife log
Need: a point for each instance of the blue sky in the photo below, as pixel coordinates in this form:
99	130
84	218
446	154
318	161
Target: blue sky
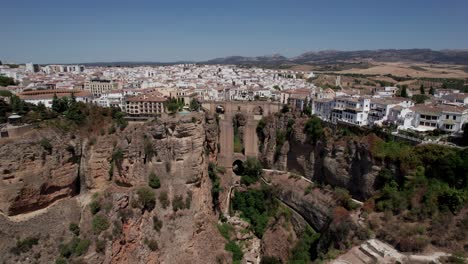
51	31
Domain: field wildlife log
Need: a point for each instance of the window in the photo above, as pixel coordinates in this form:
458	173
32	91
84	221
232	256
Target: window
454	117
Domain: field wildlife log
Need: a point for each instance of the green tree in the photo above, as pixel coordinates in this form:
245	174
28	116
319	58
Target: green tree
236	251
432	91
465	135
421	89
403	91
172	106
195	105
6	81
146	198
99	224
154	181
313	129
252	171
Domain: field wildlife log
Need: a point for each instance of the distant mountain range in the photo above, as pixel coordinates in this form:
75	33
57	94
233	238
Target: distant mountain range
327	57
334	56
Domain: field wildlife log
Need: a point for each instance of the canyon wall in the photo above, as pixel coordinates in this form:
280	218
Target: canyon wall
341	161
55	175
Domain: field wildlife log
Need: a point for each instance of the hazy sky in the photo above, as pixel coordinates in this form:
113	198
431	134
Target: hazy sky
48	31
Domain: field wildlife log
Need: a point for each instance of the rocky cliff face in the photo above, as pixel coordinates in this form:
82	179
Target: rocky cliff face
110	170
345	162
38	170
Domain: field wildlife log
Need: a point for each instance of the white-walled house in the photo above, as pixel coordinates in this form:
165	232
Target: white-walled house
46	96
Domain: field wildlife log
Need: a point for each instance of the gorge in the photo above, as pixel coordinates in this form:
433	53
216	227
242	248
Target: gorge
155	192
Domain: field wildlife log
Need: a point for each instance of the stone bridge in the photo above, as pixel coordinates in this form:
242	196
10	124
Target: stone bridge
253	112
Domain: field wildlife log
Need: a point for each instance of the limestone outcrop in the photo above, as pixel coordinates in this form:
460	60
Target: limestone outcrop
345	162
37	170
110	169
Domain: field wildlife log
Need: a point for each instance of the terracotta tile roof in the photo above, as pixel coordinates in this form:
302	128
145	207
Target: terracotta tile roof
148	97
49	94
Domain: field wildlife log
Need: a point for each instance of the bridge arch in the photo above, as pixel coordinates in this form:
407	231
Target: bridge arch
238	167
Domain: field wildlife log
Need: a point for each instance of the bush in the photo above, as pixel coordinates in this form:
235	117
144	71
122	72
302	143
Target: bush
178	203
301	253
95	206
75	247
146	198
256	206
236	251
252	171
215	184
60	261
24	245
74	228
313	129
225	230
152	244
164	199
82	247
45	143
99	224
111	130
157	223
117	157
100	246
154	181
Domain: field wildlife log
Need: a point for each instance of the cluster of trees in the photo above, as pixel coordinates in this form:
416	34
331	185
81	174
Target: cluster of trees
436	179
256	206
313	129
213	171
6	81
252	171
174	105
70	108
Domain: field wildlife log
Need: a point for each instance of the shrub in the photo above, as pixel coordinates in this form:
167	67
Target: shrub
99	224
111	130
313	129
100	246
24	245
164	199
157	223
215	185
60	261
225	230
256	206
301	252
152	244
82	247
95	207
252	171
154	181
74	228
236	251
178	203
45	143
146	198
117	156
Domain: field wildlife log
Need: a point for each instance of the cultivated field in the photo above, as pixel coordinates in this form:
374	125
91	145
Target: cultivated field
416	70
